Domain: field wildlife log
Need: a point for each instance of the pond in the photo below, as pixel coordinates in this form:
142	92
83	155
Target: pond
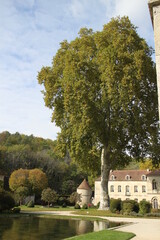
40	228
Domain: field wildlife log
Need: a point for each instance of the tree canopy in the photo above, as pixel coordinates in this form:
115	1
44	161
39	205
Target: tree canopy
30	181
102	90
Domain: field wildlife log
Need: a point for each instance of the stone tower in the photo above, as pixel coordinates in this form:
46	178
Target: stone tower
85	193
154	7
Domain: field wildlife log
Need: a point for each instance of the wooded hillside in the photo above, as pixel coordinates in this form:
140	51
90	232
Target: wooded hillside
29	152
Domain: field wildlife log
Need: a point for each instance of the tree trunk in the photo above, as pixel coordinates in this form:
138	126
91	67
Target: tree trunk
105	170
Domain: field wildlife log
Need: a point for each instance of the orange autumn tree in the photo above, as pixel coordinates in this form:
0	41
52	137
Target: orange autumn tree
33	181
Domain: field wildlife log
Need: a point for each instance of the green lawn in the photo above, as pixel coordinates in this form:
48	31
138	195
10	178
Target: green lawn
105	235
41	208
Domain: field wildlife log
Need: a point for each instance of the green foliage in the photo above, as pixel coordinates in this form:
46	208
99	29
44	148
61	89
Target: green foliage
98	204
129	206
115	205
1	184
28	152
102	87
77	206
16	210
6	201
64	205
20	194
48	195
85	206
144	207
61	200
74	197
30	204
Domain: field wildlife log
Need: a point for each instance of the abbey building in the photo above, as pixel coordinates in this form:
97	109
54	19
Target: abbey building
132	184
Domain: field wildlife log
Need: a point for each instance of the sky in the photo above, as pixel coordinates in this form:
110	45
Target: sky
30	33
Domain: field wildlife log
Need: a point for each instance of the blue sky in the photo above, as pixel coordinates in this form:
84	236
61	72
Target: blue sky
30	33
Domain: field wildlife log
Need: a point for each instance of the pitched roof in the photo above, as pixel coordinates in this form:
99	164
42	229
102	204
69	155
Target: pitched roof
84	185
120	175
154	173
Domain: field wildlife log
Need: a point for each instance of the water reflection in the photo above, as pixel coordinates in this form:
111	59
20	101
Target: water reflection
39	228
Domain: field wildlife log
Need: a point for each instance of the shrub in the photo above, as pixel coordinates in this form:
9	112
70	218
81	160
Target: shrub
90	205
16	210
115	205
64	205
74	197
6	201
144	207
61	201
85	206
30	204
98	204
77	206
129	206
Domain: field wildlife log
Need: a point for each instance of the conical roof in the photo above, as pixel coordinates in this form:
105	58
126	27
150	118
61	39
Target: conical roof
84	185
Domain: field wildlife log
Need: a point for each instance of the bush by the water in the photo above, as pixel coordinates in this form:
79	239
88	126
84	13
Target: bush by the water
129	206
144	207
115	205
16	210
30	204
6	201
77	206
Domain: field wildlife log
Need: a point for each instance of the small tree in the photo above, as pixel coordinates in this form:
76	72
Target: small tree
74	197
48	195
19	178
38	180
21	193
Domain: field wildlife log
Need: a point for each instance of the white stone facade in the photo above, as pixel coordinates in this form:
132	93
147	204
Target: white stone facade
132	184
154	7
85	193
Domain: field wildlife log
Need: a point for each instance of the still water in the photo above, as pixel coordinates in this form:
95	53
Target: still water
38	228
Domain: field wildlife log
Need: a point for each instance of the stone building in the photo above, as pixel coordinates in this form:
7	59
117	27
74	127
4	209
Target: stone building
154	7
132	184
85	193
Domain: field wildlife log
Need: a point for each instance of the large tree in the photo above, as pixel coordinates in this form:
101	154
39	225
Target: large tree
102	90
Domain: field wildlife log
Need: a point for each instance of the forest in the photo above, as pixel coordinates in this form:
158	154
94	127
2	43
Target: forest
29	152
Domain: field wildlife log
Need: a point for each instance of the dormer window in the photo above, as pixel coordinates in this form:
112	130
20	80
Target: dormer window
128	177
113	177
143	177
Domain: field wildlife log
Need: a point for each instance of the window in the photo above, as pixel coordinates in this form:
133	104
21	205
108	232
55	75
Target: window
127	190
119	188
112	188
155	203
128	177
143	188
136	199
112	177
154	184
135	188
143	177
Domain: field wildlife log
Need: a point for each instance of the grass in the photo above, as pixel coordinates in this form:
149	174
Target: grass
41	208
104	235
